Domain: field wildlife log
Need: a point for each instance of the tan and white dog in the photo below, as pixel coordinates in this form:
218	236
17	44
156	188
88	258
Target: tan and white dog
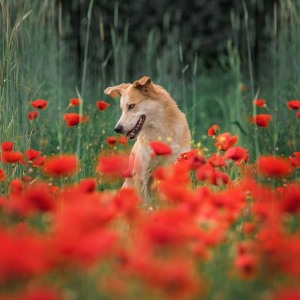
149	113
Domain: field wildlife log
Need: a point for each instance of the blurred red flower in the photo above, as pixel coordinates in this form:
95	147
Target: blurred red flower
193	158
32	262
261	120
74	119
213	130
127	202
248	227
34	198
294	104
211	175
112	141
273	166
39	161
12	157
217	160
7	146
295	161
225	141
290	202
237	153
62	165
16	186
246	265
2	175
260	102
122	140
298	114
87	185
39	103
115	166
102	105
32	115
160	148
42	293
75	102
287	293
174	277
32	154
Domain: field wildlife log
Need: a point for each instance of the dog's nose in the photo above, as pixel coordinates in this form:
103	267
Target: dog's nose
119	129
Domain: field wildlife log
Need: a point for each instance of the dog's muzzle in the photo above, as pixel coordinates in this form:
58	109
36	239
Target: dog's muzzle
133	133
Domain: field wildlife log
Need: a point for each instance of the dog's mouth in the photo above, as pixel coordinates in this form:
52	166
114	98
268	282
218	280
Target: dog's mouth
133	133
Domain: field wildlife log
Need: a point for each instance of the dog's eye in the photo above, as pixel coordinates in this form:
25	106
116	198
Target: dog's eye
131	106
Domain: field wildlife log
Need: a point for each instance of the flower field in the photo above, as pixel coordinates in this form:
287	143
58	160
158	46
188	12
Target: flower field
224	219
219	226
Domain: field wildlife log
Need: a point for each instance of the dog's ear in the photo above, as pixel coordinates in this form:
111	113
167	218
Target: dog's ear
117	90
142	82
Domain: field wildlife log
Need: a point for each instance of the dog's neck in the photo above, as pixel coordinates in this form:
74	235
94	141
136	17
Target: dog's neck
162	127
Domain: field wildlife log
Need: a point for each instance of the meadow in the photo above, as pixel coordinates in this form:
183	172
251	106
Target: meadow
224	223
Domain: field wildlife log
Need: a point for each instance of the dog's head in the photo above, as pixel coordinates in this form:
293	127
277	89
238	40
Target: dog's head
135	105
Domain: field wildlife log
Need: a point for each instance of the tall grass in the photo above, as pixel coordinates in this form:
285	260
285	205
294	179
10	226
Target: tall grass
36	62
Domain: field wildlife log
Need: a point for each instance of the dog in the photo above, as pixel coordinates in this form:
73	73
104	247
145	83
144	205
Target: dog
149	113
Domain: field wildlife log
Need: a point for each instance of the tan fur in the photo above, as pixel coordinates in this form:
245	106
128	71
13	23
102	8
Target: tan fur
164	121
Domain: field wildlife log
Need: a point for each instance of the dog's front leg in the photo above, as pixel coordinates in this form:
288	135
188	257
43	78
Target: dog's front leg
145	186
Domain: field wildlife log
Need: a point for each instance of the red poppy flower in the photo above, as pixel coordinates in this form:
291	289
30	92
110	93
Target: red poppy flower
32	115
211	175
291	199
260	102
122	140
213	130
35	198
62	165
237	153
287	293
75	102
294	104
127	201
32	262
32	154
2	175
248	227
160	148
26	178
87	185
225	141
274	166
261	120
39	103
295	161
7	146
112	141
102	105
193	158
39	161
16	186
217	160
74	119
41	293
246	265
115	166
13	157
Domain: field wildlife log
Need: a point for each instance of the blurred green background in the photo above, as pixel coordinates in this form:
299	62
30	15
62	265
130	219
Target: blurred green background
214	57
